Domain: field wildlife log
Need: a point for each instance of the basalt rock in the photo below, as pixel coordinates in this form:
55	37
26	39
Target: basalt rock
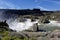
4	26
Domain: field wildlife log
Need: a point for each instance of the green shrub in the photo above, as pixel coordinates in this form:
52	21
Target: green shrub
6	33
6	38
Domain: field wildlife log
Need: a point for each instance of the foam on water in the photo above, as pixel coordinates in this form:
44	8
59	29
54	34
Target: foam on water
20	26
53	23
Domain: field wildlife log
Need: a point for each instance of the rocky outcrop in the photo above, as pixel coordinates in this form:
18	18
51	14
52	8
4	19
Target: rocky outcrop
4	26
35	27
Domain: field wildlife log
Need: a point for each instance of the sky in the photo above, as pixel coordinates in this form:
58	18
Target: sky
30	4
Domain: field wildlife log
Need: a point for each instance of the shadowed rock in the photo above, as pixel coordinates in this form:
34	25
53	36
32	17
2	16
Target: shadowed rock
4	26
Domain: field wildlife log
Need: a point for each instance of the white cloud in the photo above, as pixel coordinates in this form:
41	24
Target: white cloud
38	3
36	0
42	8
7	5
56	2
51	1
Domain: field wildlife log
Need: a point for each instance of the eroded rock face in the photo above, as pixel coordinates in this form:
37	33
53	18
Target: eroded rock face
46	21
4	24
35	27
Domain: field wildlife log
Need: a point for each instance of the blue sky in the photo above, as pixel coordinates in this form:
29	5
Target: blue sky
30	4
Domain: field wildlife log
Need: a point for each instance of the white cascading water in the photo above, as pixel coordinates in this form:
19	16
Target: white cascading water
53	23
20	26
